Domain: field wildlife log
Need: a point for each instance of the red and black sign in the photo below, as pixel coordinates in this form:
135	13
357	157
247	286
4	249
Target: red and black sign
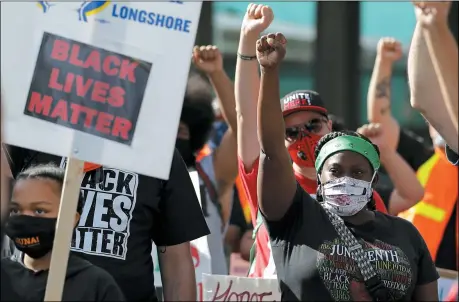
87	88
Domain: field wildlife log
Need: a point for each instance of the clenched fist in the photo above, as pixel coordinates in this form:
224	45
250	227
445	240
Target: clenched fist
376	134
271	50
257	19
207	58
389	49
429	13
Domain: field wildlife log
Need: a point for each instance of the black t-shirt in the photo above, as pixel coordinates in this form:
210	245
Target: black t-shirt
84	282
123	214
316	266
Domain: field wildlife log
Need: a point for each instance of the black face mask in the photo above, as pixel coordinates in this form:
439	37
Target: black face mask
183	146
33	236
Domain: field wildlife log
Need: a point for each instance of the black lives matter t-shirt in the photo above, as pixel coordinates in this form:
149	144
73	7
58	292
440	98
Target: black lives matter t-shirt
316	265
124	213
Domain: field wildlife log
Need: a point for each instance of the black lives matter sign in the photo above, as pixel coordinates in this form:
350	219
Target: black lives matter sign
87	88
103	228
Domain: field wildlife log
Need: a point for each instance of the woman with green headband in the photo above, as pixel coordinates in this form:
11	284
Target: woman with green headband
314	262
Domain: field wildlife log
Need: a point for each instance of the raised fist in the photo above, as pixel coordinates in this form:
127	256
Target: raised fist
375	133
429	13
207	58
389	49
271	50
257	19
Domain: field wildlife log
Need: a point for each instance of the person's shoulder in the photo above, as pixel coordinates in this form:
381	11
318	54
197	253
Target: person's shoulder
11	266
98	273
398	224
103	284
93	273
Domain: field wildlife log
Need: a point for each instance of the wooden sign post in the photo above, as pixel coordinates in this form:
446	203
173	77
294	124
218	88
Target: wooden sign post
64	229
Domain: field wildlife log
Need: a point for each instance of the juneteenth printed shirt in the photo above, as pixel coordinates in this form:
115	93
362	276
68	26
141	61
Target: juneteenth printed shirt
263	266
317	266
124	213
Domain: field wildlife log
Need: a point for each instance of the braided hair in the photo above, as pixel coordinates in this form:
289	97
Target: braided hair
328	137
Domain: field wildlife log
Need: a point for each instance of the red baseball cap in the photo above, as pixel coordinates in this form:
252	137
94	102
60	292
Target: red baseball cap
300	100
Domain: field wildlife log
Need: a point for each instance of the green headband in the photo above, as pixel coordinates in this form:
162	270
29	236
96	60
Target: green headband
348	143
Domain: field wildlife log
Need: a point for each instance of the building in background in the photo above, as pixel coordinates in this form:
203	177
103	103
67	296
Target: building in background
298	21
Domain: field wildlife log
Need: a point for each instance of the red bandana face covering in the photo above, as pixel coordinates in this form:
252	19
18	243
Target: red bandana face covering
302	150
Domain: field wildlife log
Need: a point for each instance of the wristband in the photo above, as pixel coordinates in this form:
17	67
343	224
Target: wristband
246	58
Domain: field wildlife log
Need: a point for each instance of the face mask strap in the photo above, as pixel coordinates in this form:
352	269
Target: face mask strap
371	184
373	177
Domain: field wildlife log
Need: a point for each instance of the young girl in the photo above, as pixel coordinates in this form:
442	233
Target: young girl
34	209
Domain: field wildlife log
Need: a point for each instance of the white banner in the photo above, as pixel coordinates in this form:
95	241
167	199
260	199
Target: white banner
199	252
241	289
100	81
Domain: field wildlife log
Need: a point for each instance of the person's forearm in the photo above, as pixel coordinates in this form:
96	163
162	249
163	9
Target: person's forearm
403	177
247	83
276	182
271	133
443	52
181	287
379	92
224	88
426	96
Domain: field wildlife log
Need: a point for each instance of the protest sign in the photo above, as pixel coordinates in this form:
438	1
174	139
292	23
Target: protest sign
232	288
199	252
97	80
87	88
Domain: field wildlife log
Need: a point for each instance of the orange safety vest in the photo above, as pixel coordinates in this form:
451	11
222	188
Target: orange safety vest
432	214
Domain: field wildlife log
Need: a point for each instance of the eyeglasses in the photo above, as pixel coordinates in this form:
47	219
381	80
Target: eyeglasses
313	126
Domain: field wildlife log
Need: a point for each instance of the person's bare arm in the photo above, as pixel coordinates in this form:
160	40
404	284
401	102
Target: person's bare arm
442	47
209	60
177	272
408	191
247	82
426	96
276	181
379	90
407	188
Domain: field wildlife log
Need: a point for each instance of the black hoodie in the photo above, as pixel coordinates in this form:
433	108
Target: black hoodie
84	282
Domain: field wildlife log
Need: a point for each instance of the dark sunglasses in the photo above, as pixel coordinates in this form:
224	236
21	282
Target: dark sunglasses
313	126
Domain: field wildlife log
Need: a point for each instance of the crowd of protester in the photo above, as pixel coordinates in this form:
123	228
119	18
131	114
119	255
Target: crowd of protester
283	182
